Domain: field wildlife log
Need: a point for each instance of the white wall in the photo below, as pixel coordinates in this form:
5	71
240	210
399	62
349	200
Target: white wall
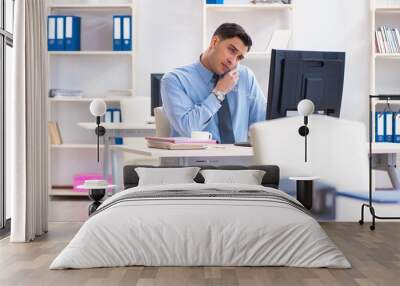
339	25
170	35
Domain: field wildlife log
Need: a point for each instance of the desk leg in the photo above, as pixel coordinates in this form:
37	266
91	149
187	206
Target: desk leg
106	153
116	168
304	193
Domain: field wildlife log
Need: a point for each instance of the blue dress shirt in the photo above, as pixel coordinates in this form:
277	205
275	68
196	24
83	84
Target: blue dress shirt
190	105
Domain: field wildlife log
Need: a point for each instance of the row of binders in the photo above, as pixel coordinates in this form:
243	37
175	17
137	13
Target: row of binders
387	40
122	33
387	126
63	33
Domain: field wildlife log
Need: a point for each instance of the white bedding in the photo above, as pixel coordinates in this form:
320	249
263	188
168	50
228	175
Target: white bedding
183	231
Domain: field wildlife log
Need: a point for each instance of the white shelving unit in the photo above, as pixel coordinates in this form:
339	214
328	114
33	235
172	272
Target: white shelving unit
385	67
98	71
259	20
384	80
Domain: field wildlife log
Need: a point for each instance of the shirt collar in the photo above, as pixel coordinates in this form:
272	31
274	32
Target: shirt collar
205	74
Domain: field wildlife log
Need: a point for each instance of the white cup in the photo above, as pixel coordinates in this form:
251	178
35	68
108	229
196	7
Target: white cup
201	135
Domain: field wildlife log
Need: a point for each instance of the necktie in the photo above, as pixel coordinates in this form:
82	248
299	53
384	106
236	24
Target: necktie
225	120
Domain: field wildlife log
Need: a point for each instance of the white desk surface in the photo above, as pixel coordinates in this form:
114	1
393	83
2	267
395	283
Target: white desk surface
311	178
118	126
213	150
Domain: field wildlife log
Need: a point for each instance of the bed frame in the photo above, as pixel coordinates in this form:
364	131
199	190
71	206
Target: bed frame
270	179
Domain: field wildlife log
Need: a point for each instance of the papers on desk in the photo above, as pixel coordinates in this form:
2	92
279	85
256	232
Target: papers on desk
175	146
177	143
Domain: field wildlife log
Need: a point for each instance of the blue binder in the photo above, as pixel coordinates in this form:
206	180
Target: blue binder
388	126
72	33
215	1
126	33
379	127
60	32
396	127
108	117
51	33
117	33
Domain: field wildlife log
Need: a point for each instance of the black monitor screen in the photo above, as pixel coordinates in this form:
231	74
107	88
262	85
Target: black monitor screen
297	75
155	81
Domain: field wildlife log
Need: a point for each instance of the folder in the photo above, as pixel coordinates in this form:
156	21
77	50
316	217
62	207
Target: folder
60	29
108	116
117	31
51	33
388	126
72	33
396	127
379	127
126	33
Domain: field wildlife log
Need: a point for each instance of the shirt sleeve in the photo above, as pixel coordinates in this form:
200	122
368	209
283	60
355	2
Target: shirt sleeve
258	102
183	115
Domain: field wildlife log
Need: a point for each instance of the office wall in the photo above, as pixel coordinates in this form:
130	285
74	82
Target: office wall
170	34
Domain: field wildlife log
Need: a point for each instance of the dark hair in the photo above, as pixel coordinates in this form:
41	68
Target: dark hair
231	30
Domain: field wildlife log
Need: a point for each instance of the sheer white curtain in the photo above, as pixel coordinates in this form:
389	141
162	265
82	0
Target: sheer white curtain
28	123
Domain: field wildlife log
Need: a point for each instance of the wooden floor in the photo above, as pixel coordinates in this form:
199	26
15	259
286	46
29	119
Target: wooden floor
375	257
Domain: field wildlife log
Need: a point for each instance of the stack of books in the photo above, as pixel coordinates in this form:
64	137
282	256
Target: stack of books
178	143
387	40
65	93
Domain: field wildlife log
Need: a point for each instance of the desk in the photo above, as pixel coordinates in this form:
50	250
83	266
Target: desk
118	130
214	154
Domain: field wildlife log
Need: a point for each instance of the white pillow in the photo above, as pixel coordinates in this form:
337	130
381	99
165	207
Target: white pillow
164	176
248	177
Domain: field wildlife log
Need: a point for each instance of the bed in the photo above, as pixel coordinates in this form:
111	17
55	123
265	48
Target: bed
198	224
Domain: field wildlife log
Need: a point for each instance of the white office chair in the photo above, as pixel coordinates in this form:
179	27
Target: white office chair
337	150
136	110
163	128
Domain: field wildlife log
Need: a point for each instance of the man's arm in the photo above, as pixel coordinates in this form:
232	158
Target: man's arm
258	104
182	113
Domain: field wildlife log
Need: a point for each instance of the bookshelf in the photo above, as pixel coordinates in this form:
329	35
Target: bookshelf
98	71
384	66
259	20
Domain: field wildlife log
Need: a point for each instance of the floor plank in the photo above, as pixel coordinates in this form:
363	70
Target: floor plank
374	255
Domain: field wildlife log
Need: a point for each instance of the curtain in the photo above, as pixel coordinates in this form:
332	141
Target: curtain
28	123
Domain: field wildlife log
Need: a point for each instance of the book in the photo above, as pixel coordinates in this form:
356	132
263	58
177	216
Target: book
180	140
174	146
54	133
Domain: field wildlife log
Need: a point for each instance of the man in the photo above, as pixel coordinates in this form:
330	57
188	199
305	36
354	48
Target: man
215	93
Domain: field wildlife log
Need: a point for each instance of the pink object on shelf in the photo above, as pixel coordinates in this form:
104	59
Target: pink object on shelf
79	179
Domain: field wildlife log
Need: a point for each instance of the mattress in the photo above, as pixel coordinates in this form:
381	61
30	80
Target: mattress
201	225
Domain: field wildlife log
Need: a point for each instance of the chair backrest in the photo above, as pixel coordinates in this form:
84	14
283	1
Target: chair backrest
135	109
337	150
163	128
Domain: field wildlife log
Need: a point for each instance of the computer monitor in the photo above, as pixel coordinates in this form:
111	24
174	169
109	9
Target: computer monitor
155	81
297	75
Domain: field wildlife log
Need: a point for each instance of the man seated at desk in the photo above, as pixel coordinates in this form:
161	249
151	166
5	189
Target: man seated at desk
215	93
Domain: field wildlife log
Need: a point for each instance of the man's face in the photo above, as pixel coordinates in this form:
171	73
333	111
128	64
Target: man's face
226	54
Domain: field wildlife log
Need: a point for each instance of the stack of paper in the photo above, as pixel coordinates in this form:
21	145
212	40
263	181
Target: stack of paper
178	143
